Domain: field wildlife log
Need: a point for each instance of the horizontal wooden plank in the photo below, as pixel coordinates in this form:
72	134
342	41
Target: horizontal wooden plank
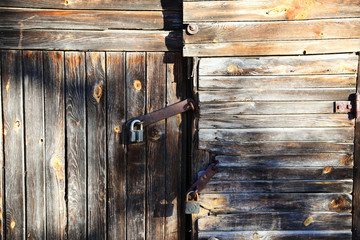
111	40
298	160
272	48
276	147
274	202
287	186
264	10
289	65
93	20
266	108
278	134
283	173
275	121
290	94
276	221
275	31
96	4
276	235
276	82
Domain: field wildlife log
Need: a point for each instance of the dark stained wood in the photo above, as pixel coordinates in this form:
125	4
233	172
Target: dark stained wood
35	144
56	208
264	10
276	202
116	103
76	143
289	65
276	221
136	152
96	143
2	164
83	19
156	148
12	93
109	40
287	186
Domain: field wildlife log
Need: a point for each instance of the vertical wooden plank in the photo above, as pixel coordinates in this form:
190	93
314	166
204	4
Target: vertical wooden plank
115	70
96	144
56	216
155	152
75	143
2	182
34	129
136	154
12	88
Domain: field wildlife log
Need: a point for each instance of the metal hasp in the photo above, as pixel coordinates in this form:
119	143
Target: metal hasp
200	184
349	106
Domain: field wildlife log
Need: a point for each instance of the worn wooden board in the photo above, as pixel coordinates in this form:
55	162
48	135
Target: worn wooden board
116	182
289	65
282	186
107	40
264	10
35	144
76	143
2	162
276	221
56	207
28	18
12	93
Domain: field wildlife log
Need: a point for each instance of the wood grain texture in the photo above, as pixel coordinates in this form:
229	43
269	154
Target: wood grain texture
290	65
276	221
56	208
136	153
12	93
28	18
107	40
96	144
76	143
116	104
2	163
261	48
264	10
35	144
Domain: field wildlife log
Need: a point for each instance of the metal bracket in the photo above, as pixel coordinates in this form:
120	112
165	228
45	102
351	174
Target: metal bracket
349	106
200	184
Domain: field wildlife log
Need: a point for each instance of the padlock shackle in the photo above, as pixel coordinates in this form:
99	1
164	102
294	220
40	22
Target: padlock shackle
136	121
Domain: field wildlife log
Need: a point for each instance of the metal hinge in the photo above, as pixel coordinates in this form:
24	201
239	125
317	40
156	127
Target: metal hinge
349	106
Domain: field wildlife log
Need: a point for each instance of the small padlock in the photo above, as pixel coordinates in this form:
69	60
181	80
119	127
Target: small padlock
136	135
192	206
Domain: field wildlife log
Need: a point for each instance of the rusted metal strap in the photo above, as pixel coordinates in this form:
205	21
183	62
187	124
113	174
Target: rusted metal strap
163	113
200	184
349	106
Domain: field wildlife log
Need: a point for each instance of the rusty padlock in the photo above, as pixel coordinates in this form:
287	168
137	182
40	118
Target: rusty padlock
192	206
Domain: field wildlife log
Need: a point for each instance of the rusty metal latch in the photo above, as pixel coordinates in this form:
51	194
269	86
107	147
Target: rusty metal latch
349	106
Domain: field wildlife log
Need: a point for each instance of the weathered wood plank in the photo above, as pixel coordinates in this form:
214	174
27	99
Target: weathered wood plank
276	148
261	48
305	160
274	31
278	134
2	163
276	82
108	40
289	65
283	173
275	121
276	202
56	208
116	102
136	152
276	221
12	92
96	144
156	148
286	186
95	4
261	94
267	108
27	18
278	235
264	10
76	143
35	147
